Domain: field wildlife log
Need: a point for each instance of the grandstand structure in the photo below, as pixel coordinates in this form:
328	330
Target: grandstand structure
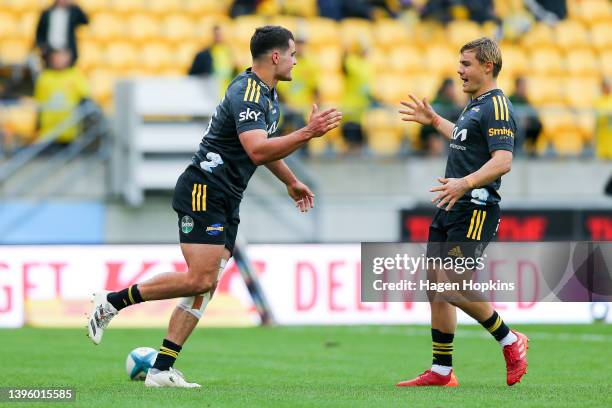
564	63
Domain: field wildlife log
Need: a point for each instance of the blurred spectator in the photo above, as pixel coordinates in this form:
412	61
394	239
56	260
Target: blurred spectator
447	104
557	7
56	28
59	90
216	60
529	124
330	9
356	97
301	92
603	106
447	10
243	7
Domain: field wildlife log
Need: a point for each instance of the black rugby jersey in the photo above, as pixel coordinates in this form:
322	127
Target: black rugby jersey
485	125
248	104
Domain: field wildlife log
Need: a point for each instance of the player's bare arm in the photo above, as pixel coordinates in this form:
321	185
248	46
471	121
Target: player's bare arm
454	188
423	113
263	150
298	191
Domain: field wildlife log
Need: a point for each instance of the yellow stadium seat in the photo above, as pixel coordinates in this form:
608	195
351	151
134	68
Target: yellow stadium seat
441	59
91	55
355	32
243	28
322	31
107	27
291	23
594	10
540	35
185	53
164	7
390	33
102	84
460	32
23	6
605	62
582	62
199	8
406	60
127	6
581	92
545	90
390	89
20	120
204	29
142	28
27	26
601	35
121	55
9	25
14	51
156	57
330	89
383	131
318	145
327	59
178	28
94	6
505	82
570	34
302	8
546	61
427	33
586	121
568	142
514	60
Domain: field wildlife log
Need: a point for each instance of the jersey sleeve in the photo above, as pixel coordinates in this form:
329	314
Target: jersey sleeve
498	124
248	107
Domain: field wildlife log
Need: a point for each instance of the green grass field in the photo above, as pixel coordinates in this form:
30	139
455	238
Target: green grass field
569	366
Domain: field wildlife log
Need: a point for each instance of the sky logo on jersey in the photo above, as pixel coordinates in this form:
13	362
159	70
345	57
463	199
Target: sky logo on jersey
214	229
503	132
248	115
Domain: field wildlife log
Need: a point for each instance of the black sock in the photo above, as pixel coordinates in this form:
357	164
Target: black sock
442	348
496	326
167	355
126	297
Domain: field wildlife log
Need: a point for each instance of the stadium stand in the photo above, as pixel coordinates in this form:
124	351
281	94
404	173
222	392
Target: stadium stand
564	63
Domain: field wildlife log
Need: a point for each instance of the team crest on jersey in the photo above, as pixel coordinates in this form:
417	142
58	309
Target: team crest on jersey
187	224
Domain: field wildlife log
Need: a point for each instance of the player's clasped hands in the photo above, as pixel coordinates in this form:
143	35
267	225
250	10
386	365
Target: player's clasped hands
417	111
451	190
322	122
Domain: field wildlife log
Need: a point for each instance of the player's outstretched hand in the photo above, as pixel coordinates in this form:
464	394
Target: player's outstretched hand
451	190
301	194
322	122
417	111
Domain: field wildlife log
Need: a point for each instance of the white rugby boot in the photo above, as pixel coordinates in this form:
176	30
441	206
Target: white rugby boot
170	378
101	314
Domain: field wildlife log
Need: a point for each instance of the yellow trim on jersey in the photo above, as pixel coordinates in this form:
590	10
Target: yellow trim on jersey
193	197
258	91
506	106
484	215
246	92
471	224
204	197
496	109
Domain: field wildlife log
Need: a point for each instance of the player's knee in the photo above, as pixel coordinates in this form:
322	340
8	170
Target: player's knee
198	285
